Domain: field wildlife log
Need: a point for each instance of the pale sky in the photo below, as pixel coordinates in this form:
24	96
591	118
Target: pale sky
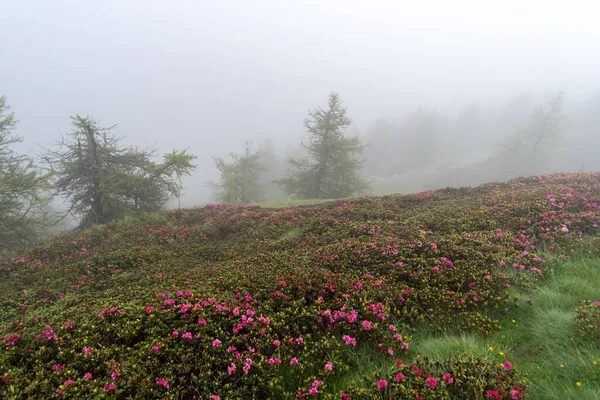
212	74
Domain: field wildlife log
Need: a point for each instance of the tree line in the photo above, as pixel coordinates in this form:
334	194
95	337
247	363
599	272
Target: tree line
101	180
335	165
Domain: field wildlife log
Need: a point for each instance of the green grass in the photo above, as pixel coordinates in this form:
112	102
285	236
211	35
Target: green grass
540	338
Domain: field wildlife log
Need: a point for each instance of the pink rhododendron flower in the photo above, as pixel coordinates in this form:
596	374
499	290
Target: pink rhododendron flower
507	365
431	382
399	377
68	383
69	325
294	361
87	351
149	309
216	343
231	368
366	325
87	375
162	382
382	384
492	394
329	366
448	378
276	342
349	340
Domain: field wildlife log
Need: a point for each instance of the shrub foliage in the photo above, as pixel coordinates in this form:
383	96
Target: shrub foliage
249	302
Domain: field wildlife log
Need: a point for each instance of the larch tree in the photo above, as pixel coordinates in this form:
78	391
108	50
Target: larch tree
331	167
104	181
23	190
240	180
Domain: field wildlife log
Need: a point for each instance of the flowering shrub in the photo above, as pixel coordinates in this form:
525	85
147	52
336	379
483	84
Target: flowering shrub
587	318
456	378
240	301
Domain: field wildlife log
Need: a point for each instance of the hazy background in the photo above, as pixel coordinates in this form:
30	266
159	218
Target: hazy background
210	75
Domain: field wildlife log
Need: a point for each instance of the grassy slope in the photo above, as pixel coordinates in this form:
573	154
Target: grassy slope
539	342
538	338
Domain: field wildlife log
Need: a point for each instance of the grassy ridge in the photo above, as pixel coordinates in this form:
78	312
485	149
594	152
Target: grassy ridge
411	295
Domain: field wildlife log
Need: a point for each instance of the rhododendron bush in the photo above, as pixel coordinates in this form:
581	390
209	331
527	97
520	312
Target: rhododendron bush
250	302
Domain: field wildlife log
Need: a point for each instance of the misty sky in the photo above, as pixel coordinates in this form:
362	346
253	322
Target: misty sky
212	74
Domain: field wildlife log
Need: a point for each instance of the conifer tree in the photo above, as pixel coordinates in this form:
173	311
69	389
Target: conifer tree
104	181
240	179
23	201
331	167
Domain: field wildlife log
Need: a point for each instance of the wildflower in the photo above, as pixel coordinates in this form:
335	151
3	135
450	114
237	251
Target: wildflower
313	391
382	384
216	343
349	340
69	325
366	325
492	394
392	328
187	335
87	375
231	368
162	382
273	361
276	343
431	382
578	384
328	366
109	386
507	366
87	351
202	321
215	397
149	309
294	361
68	383
399	377
175	333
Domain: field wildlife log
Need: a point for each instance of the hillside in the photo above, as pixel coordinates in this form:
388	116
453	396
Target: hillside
331	300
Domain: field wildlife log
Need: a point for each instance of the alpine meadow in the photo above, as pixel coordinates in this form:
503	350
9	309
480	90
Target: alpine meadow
323	199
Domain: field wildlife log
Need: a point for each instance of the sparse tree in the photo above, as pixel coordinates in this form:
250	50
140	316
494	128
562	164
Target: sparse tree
331	168
421	129
104	181
531	148
240	179
23	217
273	167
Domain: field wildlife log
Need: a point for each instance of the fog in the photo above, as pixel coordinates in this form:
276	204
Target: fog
210	75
